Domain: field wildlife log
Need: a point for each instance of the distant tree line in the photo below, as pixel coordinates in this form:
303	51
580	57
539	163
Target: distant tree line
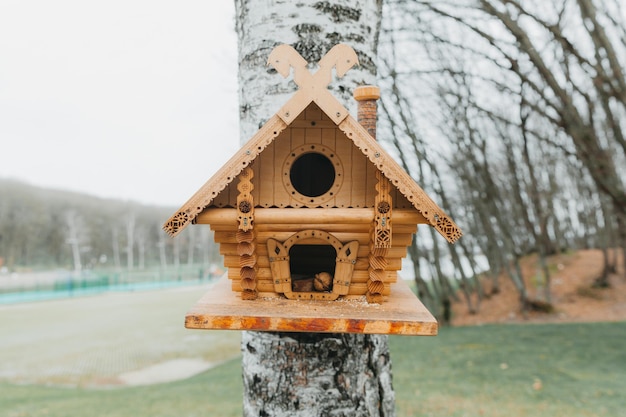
511	114
45	228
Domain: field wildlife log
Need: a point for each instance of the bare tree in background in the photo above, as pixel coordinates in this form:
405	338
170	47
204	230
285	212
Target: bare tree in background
76	237
162	245
522	104
191	246
176	252
34	228
115	241
141	247
568	58
130	222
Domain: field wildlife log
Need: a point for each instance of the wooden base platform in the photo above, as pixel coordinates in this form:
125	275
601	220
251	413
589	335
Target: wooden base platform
401	314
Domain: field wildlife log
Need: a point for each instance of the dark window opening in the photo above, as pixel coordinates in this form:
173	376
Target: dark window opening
312	174
305	261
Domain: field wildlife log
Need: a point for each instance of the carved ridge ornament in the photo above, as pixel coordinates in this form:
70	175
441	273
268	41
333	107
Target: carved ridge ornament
400	179
382	208
313	87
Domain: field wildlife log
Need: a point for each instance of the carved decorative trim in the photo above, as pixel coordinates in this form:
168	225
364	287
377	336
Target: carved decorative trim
313	89
245	201
177	222
382	210
377	274
243	158
313	234
333	159
246	247
400	179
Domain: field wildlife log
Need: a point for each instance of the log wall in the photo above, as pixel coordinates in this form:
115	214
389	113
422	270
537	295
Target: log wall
345	224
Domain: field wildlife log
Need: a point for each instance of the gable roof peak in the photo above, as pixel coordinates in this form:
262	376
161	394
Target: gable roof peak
313	89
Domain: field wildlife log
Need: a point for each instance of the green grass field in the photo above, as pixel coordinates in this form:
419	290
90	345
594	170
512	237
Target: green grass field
514	370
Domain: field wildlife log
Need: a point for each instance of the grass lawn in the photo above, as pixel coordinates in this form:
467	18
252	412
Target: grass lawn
514	370
214	393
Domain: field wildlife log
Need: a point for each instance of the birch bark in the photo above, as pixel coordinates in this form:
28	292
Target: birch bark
307	374
312	27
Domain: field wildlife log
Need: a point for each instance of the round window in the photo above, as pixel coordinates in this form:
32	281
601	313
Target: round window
312	174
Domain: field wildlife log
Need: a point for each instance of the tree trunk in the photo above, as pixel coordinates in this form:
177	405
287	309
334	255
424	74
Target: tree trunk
205	244
162	257
130	240
424	292
308	374
191	246
621	227
141	250
72	221
176	250
115	241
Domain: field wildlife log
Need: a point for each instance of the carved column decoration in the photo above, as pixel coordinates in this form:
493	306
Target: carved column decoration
245	202
246	249
382	217
377	274
246	237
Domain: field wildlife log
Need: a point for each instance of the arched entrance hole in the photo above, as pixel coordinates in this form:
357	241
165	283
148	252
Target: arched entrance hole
305	261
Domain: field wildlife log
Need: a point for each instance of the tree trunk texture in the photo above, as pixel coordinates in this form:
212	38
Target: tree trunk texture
116	249
130	240
312	27
308	374
72	221
621	227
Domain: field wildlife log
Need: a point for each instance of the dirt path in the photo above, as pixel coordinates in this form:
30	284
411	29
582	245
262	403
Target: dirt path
573	297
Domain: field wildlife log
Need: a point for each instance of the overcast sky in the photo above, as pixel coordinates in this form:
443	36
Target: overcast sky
132	99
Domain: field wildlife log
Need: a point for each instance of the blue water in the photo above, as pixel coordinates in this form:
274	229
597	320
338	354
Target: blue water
30	296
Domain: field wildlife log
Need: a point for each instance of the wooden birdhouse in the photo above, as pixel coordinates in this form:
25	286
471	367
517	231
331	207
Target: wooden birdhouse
313	218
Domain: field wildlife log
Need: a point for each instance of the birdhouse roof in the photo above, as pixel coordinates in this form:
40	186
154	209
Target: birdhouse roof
313	89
